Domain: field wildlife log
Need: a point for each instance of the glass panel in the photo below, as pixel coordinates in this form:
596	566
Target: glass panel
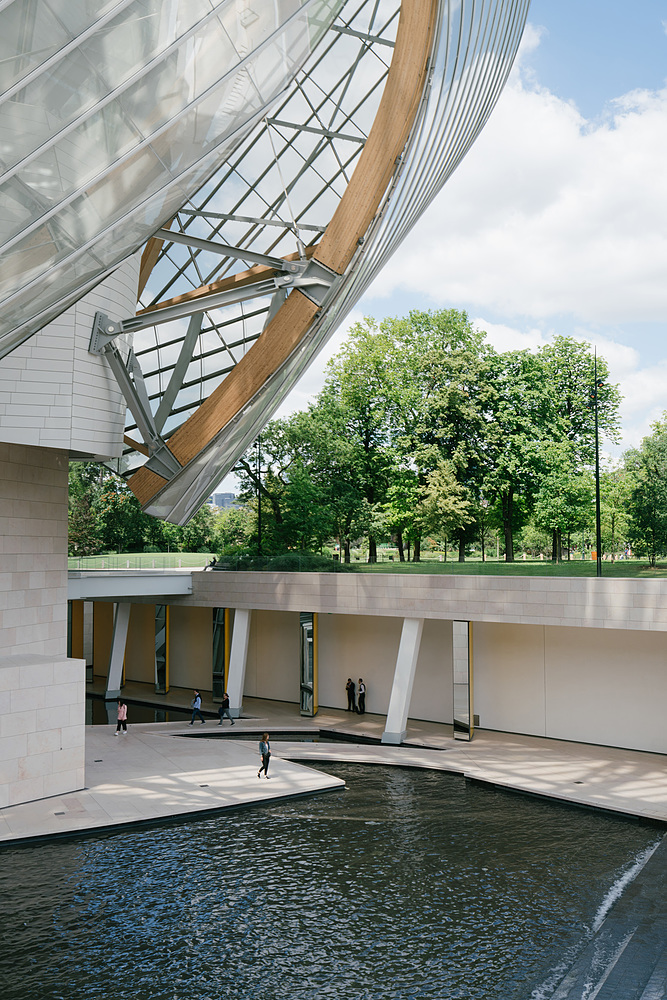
218	654
130	191
61	95
29	34
160	648
462	678
307	663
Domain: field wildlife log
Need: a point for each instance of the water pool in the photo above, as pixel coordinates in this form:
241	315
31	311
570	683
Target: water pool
407	884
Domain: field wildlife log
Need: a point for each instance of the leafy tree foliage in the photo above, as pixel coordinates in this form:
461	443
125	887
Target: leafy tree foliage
422	431
648	497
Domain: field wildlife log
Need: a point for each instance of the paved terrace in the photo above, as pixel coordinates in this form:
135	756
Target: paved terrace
153	774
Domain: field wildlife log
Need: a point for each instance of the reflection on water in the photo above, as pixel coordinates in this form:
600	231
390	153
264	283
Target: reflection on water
104	713
407	884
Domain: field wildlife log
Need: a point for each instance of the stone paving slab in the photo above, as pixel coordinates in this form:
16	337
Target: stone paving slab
150	774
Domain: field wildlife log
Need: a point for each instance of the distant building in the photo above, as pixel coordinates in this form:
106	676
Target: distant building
223	500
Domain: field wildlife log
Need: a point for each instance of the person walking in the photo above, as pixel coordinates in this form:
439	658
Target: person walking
195	705
122	718
349	687
265	754
361	700
224	709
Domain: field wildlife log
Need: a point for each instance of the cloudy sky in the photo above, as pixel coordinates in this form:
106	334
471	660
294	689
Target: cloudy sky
556	221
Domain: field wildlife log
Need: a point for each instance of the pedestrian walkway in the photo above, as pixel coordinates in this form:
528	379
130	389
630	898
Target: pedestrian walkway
163	770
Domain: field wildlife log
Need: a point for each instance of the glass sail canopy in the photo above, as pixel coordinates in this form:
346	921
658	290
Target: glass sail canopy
112	115
276	197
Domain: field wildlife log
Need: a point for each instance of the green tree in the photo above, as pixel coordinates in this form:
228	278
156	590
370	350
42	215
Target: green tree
569	367
85	483
440	391
198	535
359	389
446	505
522	417
121	522
648	498
616	486
564	500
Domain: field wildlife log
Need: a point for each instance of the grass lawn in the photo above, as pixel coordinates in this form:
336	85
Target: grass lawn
576	567
633	568
142	560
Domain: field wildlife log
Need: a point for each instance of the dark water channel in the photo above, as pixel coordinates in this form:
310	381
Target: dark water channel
408	884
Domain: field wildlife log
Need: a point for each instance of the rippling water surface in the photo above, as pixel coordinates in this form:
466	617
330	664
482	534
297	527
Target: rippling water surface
407	884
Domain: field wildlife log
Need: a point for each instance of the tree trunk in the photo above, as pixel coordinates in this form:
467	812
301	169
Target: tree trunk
462	549
408	548
554	545
482	540
507	502
346	544
399	542
372	549
417	549
445	550
560	546
569	546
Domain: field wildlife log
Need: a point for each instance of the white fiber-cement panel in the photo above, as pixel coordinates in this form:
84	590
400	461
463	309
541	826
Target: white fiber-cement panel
508	677
355	646
607	687
273	664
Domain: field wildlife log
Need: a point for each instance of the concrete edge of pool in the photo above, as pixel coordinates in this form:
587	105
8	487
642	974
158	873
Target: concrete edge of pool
150	775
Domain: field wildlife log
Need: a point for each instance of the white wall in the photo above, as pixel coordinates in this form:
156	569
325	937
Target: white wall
54	393
357	646
42	693
42	715
272	667
433	693
587	685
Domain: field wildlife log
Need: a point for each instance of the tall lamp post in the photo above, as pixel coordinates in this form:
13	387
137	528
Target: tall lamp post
598	531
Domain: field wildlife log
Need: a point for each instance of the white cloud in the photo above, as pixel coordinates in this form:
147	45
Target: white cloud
549	214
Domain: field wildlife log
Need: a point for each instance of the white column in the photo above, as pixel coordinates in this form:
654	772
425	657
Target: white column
404	675
238	656
120	626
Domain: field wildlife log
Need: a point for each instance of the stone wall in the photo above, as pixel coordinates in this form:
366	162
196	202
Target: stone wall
42	692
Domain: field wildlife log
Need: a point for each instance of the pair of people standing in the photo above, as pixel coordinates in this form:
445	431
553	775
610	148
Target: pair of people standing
351	689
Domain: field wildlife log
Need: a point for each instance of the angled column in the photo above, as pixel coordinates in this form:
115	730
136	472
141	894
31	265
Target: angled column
462	675
237	661
404	675
120	627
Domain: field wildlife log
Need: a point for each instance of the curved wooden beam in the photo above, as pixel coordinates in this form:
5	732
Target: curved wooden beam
355	212
149	259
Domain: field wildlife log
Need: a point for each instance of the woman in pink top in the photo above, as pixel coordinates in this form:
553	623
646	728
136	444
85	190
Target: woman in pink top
122	717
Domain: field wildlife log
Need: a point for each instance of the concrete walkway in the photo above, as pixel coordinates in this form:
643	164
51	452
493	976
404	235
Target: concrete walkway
154	773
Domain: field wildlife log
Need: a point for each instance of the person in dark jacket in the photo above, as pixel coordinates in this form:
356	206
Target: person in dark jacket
265	754
224	709
349	687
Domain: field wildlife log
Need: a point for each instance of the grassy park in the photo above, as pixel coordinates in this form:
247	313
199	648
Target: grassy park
623	568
